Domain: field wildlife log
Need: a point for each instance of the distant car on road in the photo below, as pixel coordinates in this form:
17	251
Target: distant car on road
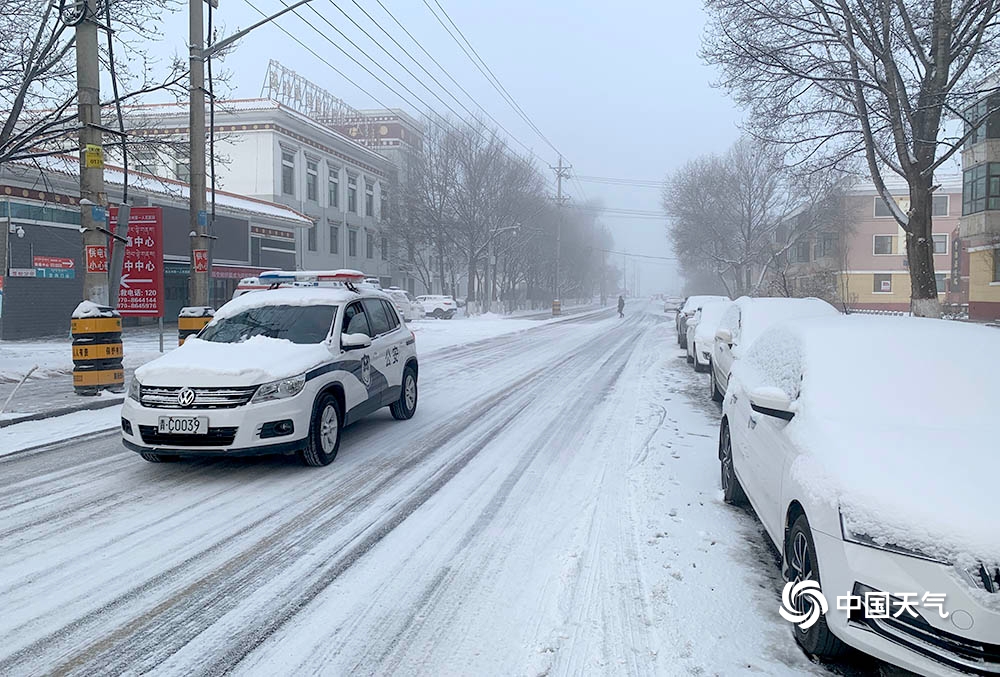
870	496
687	311
745	320
701	333
672	304
278	371
438	305
407	306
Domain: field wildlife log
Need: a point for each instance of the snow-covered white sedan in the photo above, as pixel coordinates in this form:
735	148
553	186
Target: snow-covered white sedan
745	320
408	308
687	311
438	305
869	454
701	333
279	371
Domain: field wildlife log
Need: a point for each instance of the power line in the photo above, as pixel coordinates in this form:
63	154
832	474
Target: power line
491	77
641	183
425	70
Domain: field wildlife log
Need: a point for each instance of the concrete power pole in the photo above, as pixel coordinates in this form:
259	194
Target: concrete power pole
562	172
198	289
92	196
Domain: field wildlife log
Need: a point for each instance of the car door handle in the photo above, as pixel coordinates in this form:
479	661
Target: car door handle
752	422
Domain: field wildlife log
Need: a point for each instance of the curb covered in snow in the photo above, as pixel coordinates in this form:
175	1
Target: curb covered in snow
100	403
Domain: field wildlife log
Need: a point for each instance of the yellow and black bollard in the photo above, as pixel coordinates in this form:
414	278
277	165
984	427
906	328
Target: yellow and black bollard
97	350
556	307
192	320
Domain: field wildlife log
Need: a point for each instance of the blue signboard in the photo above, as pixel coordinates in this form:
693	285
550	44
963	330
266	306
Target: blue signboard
57	273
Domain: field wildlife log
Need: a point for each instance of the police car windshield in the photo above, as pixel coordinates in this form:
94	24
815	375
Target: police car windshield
298	324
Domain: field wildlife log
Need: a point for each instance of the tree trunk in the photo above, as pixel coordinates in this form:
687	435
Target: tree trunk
920	251
471	295
440	254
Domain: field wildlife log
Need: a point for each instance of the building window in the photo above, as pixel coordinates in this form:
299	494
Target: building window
369	246
385	248
981	188
826	245
384	203
333	188
312	238
334	239
942	282
800	252
287	172
352	194
883	283
312	180
939	205
989	128
882	210
352	242
940	243
369	198
182	171
884	244
146	161
996	265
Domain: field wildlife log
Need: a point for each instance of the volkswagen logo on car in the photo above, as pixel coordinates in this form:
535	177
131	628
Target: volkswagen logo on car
185	397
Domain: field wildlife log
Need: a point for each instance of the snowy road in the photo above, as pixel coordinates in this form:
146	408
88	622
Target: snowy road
552	508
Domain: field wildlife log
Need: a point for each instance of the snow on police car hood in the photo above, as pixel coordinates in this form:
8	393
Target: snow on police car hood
259	337
906	466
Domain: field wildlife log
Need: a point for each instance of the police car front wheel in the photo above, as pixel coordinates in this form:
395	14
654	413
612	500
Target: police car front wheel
324	432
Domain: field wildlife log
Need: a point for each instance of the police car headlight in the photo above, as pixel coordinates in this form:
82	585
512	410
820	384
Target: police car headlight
133	389
279	390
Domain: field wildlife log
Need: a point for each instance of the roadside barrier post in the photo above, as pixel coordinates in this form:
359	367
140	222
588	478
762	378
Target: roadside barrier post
191	320
97	349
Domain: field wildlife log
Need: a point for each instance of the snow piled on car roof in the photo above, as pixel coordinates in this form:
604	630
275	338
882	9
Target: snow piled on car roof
292	296
897	421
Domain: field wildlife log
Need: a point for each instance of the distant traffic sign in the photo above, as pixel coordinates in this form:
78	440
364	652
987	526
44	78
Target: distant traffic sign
141	290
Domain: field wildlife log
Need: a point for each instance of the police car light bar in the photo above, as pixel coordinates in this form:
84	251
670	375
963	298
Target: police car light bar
312	277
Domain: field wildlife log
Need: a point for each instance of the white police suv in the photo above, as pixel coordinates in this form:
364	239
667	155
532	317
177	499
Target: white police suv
277	371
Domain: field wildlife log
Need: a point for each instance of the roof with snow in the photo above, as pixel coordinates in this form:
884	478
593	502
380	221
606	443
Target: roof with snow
155	185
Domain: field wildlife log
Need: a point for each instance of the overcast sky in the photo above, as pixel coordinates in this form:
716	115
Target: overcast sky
616	87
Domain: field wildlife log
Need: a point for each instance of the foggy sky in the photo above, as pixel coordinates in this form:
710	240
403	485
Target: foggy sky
616	87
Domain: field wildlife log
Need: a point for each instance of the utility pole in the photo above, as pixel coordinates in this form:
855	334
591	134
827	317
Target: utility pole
198	217
93	215
562	172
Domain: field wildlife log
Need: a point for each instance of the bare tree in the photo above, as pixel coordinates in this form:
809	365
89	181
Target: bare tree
37	69
842	80
725	212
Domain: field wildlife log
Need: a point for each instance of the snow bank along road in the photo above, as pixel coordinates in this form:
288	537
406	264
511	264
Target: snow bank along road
551	509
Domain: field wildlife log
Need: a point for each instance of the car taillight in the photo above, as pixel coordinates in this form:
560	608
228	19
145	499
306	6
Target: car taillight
447	303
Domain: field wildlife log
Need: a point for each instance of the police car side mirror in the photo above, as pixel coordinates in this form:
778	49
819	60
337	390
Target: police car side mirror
354	341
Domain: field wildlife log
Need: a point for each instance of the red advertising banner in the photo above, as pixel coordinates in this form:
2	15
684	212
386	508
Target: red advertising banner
97	258
53	262
201	260
141	290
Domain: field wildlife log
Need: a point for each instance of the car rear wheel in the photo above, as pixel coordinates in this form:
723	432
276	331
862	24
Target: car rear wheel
690	359
713	384
801	564
324	432
732	492
403	408
158	458
438	313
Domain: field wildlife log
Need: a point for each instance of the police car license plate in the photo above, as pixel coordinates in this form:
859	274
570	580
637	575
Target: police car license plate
183	425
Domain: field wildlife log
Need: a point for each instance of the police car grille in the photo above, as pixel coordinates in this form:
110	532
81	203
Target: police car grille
216	437
205	398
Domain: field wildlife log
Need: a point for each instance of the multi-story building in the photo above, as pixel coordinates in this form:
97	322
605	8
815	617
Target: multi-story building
270	151
862	263
980	222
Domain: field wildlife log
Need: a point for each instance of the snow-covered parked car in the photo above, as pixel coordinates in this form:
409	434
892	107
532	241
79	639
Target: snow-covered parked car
278	371
687	311
407	306
745	320
869	489
701	333
438	305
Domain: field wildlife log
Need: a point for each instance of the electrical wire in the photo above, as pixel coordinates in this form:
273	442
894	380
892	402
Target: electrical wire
118	103
641	183
495	82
